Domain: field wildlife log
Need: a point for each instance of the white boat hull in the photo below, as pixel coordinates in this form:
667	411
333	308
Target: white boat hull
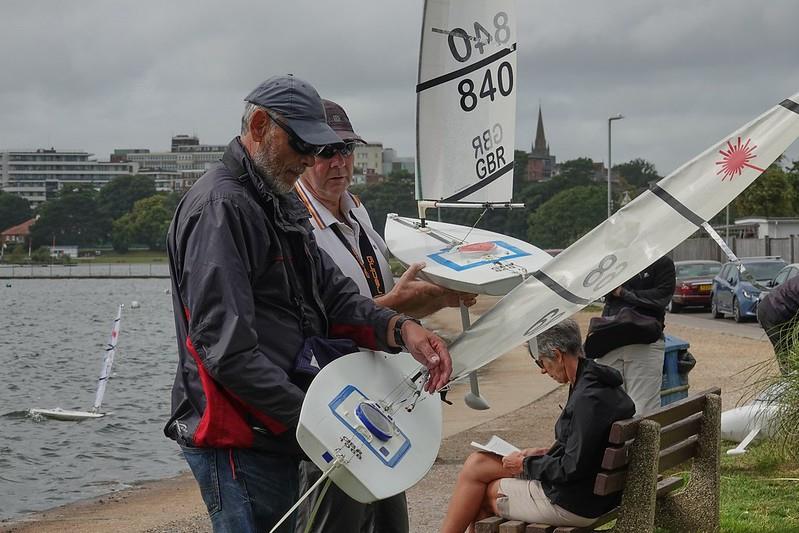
328	428
62	414
737	423
495	272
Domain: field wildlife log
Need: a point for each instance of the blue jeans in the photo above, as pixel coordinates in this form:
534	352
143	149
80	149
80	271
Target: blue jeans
245	491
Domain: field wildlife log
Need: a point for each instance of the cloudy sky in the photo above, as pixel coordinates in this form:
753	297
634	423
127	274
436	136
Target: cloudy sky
104	74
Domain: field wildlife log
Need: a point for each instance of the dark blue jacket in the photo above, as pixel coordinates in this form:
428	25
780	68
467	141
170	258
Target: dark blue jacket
232	245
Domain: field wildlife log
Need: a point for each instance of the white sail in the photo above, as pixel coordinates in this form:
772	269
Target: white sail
108	360
630	240
466	101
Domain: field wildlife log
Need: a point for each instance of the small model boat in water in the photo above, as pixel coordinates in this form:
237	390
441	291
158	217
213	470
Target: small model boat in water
105	373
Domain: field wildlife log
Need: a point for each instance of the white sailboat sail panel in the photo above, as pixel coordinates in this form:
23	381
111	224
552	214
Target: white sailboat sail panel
108	360
466	101
631	239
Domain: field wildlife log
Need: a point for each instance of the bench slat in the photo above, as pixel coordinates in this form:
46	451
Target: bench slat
538	528
512	526
488	525
621	432
670	484
678	453
610	482
616	457
681	430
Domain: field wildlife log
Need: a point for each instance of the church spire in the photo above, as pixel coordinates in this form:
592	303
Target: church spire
540	144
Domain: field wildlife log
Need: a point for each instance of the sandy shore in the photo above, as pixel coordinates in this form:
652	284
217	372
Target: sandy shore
524	406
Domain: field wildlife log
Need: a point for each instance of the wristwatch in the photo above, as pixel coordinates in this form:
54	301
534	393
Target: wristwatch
398	329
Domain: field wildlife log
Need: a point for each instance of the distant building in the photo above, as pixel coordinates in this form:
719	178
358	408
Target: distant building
369	158
38	175
178	169
540	163
394	163
167	180
64	251
184	141
18	234
759	227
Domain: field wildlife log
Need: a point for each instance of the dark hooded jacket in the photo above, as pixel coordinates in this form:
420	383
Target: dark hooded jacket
648	292
568	470
249	285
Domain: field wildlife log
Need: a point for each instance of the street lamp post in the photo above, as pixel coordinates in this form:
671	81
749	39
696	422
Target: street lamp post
610	198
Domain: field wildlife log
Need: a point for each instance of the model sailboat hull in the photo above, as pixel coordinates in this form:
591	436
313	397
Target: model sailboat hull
372	468
102	381
462	258
66	415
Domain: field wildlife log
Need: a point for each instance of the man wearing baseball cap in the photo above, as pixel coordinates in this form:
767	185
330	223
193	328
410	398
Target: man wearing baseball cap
343	229
251	290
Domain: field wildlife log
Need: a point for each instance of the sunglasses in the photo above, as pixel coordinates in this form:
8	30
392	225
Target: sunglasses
330	151
297	144
535	359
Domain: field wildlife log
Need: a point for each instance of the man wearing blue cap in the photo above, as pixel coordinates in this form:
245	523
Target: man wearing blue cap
251	292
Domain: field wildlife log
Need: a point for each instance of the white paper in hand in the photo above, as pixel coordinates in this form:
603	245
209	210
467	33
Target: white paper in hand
496	445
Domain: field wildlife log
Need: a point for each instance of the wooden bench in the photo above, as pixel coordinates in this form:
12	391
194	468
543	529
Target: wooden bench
639	451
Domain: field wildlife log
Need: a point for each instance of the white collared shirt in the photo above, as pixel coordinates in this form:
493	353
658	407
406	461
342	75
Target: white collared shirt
322	220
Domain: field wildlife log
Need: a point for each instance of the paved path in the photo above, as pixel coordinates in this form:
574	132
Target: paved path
749	330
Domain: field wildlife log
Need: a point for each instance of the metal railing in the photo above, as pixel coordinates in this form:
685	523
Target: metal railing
91	270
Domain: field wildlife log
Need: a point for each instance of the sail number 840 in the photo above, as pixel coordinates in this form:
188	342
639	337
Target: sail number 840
466	88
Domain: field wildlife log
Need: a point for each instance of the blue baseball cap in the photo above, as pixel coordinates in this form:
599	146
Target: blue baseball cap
300	106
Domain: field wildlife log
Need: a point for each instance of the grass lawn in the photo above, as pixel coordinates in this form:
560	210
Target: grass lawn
759	491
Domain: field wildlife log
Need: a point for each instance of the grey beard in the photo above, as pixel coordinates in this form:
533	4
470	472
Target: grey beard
268	168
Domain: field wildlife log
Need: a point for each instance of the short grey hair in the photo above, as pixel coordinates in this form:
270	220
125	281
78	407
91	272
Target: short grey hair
565	336
249	111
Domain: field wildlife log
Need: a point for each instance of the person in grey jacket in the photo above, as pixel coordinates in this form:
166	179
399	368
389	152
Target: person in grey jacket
250	290
552	485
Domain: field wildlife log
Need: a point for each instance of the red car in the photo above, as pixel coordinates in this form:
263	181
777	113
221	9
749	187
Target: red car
694	282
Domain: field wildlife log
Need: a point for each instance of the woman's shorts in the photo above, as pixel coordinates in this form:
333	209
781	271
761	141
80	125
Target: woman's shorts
525	500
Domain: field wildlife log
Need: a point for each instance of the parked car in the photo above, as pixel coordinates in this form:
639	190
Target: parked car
736	296
694	284
782	276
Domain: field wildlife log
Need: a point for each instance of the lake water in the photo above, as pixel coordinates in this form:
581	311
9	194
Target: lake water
52	335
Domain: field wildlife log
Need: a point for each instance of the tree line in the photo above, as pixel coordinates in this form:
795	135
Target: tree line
562	209
124	212
129	211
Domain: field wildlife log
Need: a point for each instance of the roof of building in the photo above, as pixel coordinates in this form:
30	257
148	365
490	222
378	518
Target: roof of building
23	229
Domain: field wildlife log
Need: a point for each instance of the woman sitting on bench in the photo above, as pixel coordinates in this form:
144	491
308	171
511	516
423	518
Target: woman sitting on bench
552	486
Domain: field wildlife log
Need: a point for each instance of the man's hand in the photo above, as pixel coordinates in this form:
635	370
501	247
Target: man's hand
514	462
428	348
418	298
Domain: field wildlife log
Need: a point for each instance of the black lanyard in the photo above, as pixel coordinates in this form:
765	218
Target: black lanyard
369	265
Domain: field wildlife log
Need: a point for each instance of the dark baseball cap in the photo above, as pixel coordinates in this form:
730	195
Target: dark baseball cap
300	106
338	120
